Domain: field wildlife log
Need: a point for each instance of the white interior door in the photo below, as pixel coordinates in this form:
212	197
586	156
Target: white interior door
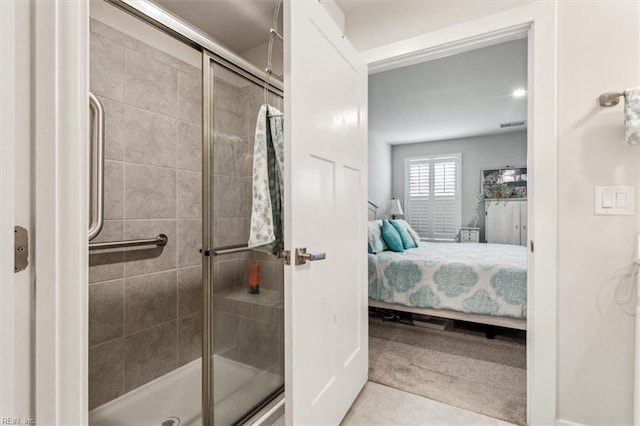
16	288
326	325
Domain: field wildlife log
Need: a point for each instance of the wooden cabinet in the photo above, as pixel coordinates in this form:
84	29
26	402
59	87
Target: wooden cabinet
506	221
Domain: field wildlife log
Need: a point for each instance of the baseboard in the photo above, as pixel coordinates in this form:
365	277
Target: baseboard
561	422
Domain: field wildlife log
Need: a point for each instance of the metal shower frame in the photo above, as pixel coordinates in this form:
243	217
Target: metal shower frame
211	51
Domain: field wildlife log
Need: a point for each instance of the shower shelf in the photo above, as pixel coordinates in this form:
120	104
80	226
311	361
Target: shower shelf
266	297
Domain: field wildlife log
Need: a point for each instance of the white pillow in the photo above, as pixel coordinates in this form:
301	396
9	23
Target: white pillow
374	237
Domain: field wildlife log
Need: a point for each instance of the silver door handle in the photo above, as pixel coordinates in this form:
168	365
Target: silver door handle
302	256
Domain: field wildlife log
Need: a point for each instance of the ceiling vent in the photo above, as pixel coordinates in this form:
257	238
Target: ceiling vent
512	124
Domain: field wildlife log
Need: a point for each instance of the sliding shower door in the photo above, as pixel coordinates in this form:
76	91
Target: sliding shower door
244	341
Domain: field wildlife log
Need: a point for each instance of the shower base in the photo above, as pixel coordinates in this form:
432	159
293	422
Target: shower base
177	395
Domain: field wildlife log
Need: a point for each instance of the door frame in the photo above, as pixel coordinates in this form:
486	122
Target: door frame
61	77
537	21
7	212
60	47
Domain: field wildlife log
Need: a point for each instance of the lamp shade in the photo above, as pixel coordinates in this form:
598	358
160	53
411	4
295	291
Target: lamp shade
395	208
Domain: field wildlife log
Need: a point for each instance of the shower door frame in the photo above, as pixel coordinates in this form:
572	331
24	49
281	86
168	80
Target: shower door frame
208	59
211	51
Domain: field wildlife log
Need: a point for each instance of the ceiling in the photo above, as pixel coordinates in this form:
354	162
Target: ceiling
468	94
373	23
239	25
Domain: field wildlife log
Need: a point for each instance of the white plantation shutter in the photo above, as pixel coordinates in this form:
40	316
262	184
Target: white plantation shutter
432	196
445	180
419	209
445	184
419	175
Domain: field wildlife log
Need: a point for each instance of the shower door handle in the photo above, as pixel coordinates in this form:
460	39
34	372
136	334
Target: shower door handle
302	256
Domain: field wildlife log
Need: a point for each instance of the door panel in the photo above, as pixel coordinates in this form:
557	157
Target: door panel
319	280
350	338
503	222
325	211
523	223
512	223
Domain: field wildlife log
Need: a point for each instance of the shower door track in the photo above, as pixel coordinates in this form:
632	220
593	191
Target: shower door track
251	415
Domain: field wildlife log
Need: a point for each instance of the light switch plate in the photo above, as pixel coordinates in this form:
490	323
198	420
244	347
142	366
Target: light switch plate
614	200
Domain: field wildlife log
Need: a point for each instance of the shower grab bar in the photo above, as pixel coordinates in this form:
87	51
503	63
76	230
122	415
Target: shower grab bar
96	181
159	240
231	250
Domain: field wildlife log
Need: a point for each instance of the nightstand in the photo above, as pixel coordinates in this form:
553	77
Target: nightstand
469	234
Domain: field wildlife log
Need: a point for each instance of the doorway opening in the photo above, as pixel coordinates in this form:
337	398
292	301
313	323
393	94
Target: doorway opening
448	305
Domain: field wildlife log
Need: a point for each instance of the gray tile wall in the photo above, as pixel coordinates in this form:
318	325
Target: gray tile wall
145	305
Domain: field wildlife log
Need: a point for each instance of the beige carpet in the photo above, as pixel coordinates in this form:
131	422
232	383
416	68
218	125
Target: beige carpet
462	369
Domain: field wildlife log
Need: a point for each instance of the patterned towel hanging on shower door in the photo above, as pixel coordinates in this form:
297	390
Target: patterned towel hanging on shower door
266	232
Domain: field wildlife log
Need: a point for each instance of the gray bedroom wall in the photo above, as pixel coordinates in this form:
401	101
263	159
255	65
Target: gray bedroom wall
379	172
478	153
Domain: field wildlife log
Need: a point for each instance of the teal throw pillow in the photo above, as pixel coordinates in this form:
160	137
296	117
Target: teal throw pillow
410	230
407	239
391	237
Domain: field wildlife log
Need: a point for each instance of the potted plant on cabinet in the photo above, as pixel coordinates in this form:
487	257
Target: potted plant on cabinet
499	191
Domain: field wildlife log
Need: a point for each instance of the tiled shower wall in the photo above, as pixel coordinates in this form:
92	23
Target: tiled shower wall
145	304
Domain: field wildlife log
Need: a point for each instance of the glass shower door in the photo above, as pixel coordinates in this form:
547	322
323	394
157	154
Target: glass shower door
245	323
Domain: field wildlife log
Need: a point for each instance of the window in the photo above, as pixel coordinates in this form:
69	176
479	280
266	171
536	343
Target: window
432	195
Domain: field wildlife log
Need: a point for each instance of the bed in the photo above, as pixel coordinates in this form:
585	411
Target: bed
483	283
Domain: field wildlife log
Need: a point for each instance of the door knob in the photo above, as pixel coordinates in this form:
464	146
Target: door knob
302	256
